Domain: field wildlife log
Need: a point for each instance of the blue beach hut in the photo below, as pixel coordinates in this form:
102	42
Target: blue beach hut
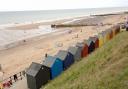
55	65
91	45
66	57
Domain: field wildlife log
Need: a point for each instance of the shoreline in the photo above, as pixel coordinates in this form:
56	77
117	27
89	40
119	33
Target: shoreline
36	26
27	28
62	19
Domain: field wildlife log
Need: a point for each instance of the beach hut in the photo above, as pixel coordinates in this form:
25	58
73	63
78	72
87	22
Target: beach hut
113	30
37	75
105	36
55	66
76	52
126	26
95	40
101	39
110	33
66	57
117	28
84	48
90	44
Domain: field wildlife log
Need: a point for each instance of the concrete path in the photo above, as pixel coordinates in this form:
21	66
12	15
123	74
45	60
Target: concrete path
21	84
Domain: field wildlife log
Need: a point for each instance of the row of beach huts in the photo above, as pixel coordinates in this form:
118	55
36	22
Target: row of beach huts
39	74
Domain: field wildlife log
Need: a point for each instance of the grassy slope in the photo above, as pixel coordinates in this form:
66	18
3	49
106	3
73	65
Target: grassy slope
106	68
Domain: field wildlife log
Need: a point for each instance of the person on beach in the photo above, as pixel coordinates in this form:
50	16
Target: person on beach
81	30
23	72
15	77
77	36
46	55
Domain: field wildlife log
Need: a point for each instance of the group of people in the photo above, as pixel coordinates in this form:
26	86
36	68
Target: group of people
9	82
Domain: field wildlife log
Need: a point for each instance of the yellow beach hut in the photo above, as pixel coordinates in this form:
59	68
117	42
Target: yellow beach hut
104	33
108	33
114	31
101	39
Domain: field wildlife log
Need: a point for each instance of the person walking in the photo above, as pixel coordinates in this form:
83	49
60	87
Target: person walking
15	77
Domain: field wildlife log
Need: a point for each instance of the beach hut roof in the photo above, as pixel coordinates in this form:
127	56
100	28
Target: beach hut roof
80	44
34	69
93	39
100	34
96	36
116	26
103	33
72	49
62	54
49	61
109	30
88	42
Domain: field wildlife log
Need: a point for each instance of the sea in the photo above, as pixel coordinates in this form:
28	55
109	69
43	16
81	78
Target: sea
48	15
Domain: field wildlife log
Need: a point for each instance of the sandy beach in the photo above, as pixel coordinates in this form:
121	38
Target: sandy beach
16	55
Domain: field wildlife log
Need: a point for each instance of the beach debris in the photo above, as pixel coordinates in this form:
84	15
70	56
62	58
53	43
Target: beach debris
53	25
58	44
70	31
24	40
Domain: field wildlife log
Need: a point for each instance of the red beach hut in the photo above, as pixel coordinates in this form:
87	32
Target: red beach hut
95	40
84	49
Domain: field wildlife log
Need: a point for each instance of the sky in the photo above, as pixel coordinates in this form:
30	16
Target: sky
21	5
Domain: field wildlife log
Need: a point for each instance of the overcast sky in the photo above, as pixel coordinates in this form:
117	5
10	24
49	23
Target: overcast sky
16	5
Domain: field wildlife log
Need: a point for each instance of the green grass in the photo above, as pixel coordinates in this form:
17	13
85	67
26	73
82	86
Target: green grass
106	68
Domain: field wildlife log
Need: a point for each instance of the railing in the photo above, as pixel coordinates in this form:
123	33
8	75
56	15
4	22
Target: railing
8	82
